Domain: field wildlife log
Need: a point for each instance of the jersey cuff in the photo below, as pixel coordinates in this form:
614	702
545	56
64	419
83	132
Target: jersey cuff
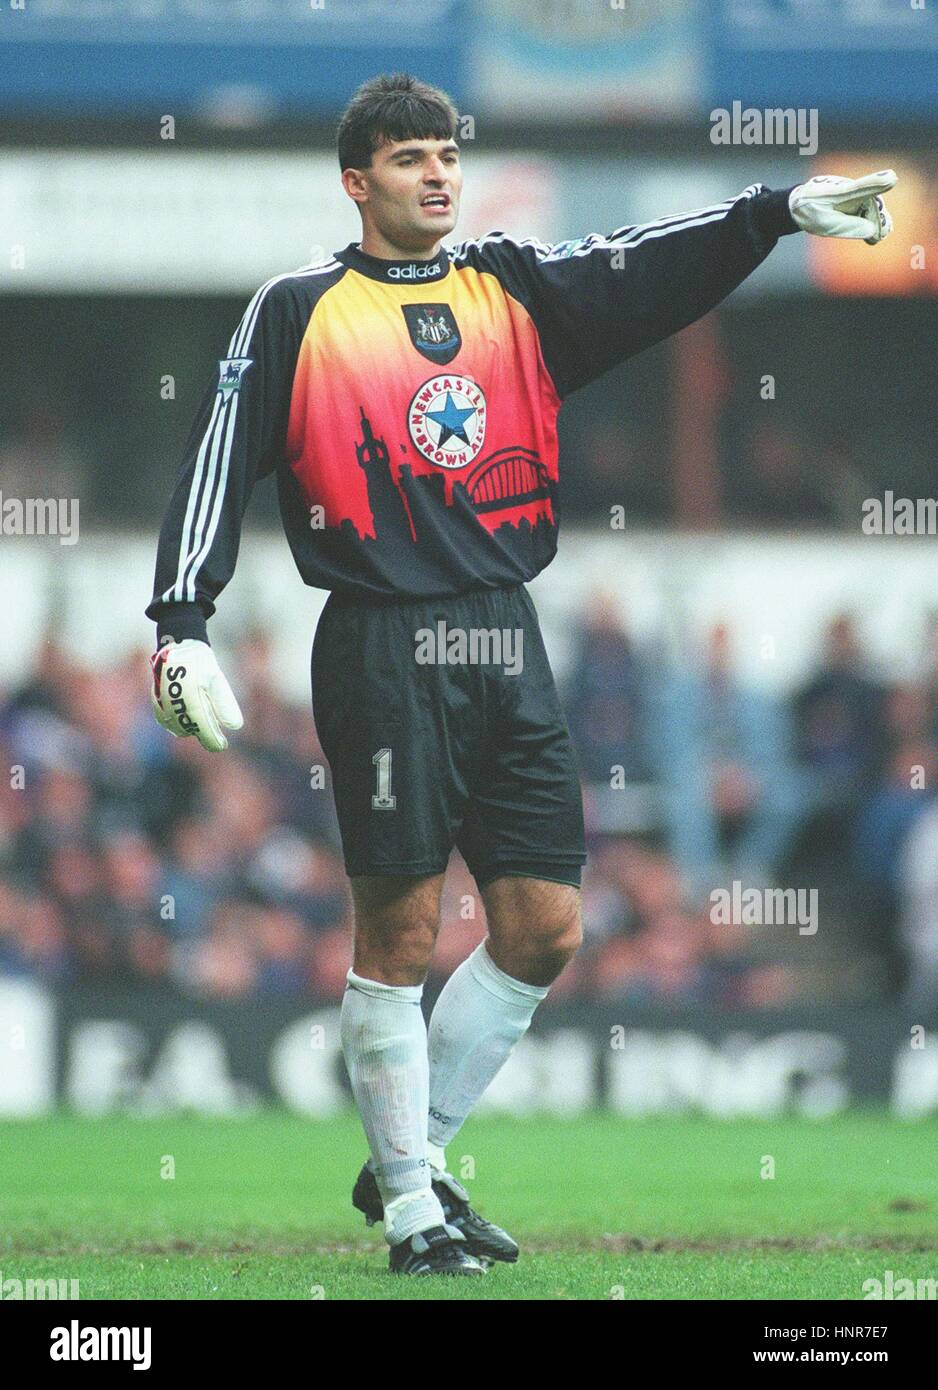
774	214
181	621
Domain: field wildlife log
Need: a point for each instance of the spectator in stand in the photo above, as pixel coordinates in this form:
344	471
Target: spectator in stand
841	734
918	877
32	935
886	819
733	798
608	696
133	878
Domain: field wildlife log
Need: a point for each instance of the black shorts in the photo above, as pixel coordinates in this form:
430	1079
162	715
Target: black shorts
442	727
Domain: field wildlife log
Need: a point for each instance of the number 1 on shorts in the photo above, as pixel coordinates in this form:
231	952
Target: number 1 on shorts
383	800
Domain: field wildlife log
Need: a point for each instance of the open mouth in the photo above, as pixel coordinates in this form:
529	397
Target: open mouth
435	202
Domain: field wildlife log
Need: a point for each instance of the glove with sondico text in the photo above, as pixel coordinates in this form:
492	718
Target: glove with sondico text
190	696
829	205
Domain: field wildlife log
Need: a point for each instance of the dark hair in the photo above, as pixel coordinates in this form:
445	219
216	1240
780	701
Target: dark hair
392	107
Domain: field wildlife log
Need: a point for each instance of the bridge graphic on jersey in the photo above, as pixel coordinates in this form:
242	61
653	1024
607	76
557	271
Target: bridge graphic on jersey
509	477
506	480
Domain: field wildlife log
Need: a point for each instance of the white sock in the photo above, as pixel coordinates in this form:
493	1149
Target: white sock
478	1018
384	1042
437	1156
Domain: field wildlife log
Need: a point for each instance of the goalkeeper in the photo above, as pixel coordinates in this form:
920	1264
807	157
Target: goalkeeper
405	395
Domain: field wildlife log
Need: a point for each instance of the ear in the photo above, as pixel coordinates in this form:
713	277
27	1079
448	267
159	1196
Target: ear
355	183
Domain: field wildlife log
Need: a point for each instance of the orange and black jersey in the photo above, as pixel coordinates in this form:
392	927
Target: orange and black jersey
409	408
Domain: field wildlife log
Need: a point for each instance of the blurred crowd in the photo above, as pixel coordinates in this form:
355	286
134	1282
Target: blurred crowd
127	855
699	781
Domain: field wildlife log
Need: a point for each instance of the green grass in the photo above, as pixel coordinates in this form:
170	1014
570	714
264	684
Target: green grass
603	1207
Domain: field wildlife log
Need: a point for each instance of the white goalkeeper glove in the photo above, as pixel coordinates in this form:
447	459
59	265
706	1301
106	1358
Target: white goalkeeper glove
190	696
829	205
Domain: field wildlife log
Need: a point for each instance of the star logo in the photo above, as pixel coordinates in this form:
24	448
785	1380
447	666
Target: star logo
450	420
446	420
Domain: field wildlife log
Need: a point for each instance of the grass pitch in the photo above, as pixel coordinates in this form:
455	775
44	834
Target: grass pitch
259	1208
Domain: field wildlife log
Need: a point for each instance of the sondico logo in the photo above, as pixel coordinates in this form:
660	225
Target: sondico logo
414	272
174	676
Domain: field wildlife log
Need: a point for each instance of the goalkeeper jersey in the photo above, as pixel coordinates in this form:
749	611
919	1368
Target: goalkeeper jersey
409	408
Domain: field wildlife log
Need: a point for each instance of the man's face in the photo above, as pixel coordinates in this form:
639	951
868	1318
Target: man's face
411	192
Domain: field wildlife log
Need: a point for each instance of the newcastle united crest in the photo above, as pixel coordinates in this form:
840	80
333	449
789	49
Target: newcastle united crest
433	331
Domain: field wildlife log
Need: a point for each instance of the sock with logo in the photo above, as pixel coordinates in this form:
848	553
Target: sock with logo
479	1017
384	1042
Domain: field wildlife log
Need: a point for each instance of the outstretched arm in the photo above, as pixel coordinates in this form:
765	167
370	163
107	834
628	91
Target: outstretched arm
599	300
